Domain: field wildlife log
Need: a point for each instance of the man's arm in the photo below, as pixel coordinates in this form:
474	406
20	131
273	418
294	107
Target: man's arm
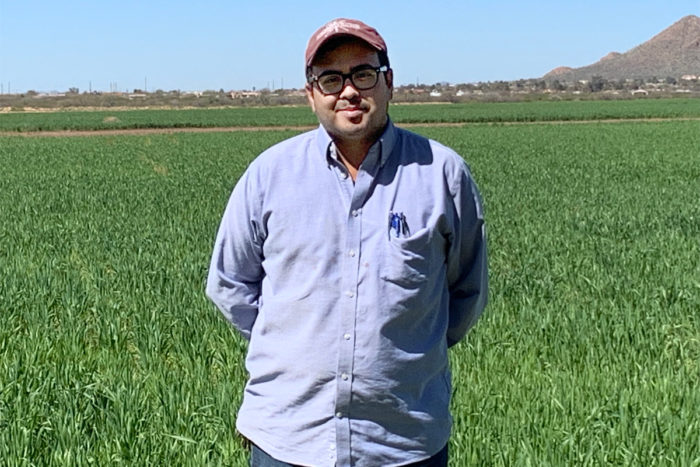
467	268
236	272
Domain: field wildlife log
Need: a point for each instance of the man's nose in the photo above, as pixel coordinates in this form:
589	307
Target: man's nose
348	90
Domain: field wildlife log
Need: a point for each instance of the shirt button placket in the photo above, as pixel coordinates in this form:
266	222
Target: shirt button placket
347	347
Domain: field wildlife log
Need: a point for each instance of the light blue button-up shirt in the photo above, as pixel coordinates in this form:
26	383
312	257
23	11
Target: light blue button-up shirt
350	294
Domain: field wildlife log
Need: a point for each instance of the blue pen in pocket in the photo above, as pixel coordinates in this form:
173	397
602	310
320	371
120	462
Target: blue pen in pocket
397	223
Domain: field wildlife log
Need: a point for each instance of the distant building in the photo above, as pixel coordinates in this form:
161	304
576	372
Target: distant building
244	94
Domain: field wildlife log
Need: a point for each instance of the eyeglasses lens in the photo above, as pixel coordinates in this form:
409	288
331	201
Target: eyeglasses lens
361	79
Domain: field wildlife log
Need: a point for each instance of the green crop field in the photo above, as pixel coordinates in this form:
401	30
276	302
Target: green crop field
588	353
302	116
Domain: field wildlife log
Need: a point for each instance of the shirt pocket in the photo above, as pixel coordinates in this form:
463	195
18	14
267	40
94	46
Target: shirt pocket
407	260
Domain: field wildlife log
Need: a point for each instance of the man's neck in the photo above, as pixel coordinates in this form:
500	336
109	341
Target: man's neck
352	165
352	152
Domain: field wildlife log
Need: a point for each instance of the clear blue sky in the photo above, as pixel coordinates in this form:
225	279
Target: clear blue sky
209	44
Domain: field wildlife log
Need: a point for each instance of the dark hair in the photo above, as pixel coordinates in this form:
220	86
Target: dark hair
336	41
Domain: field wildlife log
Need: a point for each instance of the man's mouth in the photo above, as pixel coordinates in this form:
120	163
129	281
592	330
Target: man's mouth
351	111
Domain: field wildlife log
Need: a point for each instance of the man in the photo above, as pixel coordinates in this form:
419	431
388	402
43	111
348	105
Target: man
350	257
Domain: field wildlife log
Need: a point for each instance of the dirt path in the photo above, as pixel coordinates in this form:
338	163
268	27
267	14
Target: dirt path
153	131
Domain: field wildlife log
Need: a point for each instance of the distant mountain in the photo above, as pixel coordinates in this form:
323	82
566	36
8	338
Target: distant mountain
673	52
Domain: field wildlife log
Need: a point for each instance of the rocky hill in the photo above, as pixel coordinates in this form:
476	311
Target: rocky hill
672	53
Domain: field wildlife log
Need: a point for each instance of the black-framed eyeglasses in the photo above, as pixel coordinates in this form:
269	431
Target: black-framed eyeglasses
362	78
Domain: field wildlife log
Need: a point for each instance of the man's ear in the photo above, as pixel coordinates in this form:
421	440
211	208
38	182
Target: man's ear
310	96
389	76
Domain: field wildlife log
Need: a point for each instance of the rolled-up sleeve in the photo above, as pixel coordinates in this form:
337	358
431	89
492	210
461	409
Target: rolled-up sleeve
236	272
467	267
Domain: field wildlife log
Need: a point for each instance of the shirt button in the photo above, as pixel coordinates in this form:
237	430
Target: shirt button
339	414
351	252
345	376
346	336
350	293
355	212
332	446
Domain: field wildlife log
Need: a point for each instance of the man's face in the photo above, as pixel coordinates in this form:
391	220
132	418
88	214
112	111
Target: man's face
351	115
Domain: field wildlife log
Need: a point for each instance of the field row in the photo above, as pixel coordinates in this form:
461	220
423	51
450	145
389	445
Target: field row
588	353
302	116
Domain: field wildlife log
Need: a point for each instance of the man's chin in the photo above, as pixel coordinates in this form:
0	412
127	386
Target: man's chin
350	128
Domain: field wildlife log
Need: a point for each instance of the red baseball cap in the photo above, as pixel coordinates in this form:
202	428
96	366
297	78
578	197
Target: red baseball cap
343	27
